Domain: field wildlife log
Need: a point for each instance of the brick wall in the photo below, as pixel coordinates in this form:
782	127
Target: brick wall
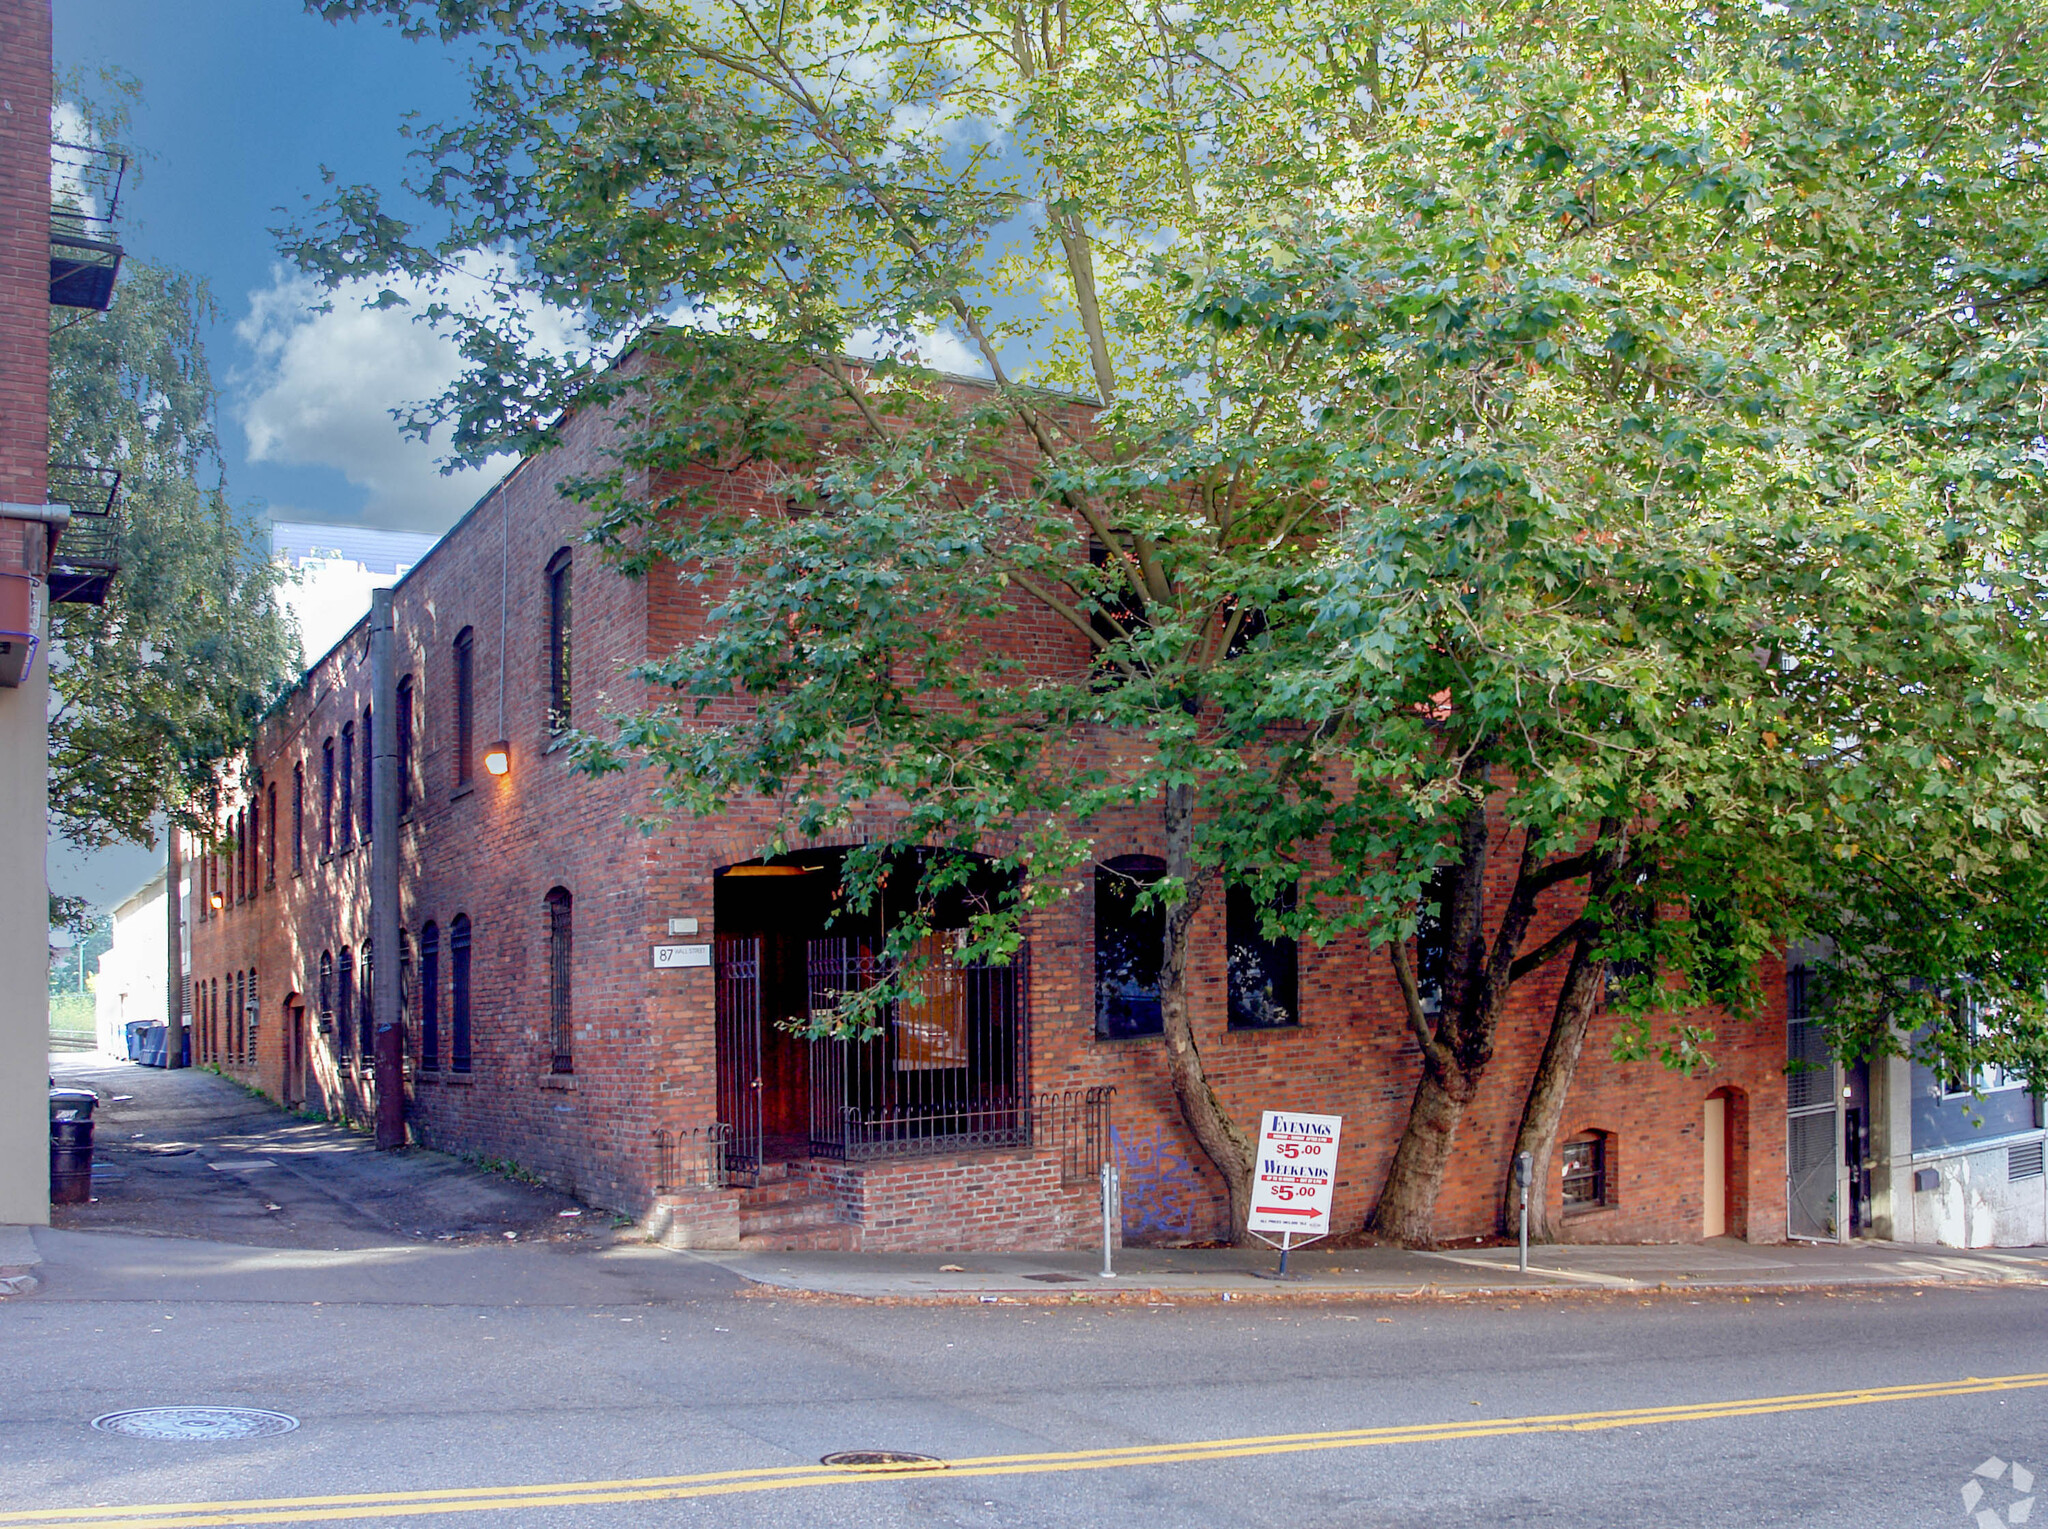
24	257
644	1052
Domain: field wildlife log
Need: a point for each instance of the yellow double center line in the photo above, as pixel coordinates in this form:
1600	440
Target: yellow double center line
558	1494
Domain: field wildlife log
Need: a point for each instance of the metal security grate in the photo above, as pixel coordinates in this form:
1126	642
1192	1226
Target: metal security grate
2023	1161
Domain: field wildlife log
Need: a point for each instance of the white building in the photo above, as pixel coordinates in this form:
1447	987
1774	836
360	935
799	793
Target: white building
333	569
131	975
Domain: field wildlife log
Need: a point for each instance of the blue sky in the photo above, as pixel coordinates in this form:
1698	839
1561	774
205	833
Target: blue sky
242	102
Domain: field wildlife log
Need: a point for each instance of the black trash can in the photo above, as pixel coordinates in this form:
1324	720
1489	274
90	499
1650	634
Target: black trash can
71	1145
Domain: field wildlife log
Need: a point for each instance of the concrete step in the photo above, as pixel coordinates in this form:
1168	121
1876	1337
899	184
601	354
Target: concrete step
836	1238
790	1216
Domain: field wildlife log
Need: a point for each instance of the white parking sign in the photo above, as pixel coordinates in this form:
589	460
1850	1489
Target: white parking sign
1297	1173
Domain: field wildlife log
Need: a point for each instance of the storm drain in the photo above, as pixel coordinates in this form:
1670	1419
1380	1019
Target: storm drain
883	1460
1058	1279
202	1425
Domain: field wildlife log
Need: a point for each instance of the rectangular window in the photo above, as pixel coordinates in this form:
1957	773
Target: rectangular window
1130	943
465	705
561	1024
404	724
1585	1172
430	999
559	643
458	994
346	769
1966	1016
344	1003
298	819
270	834
1265	974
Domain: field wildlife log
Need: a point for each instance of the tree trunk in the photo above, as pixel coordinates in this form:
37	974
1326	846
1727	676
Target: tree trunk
1585	983
1220	1138
1407	1208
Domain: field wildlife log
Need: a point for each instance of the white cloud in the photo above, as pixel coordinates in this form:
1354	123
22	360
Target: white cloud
940	349
320	388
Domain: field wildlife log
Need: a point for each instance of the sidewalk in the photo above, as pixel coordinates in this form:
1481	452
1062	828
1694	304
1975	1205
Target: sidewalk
1205	1274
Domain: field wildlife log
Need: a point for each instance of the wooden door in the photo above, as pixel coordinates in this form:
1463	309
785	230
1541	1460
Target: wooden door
1714	1150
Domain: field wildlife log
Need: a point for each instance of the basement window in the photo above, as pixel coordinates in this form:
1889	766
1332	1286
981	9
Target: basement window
1587	1178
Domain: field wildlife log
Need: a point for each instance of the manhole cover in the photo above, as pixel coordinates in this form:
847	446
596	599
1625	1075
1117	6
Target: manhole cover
201	1424
883	1460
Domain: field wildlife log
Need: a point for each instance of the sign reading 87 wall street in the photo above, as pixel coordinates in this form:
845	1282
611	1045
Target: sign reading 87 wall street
1297	1173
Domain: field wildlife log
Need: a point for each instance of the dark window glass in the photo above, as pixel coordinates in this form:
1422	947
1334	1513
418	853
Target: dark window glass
1129	942
405	725
1431	940
430	998
1265	980
1585	1171
458	993
465	704
345	768
559	642
366	991
560	1030
344	1002
255	1013
369	774
327	797
298	819
326	1010
238	1015
270	834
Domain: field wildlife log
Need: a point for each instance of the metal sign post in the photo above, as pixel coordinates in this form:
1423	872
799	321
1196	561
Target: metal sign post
1294	1180
1524	1168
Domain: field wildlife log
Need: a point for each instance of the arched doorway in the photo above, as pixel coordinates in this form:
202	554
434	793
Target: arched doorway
293	1086
1724	1165
943	1067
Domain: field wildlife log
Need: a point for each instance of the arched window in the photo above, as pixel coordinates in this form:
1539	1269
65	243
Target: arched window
465	704
369	774
458	993
1264	974
254	1011
326	798
325	1007
239	871
298	818
560	643
238	1017
270	833
344	1003
345	825
1129	943
407	966
561	1030
430	998
366	1004
404	723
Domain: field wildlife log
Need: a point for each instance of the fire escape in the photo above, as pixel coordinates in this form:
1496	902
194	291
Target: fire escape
66	550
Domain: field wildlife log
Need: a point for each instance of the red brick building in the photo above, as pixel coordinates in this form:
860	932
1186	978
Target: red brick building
599	1004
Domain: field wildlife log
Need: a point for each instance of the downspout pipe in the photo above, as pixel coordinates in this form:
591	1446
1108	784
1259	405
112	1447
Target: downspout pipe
385	923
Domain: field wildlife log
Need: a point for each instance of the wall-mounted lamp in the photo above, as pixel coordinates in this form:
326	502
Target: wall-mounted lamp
215	899
498	758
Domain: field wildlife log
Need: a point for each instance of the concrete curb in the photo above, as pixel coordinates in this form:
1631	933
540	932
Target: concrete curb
1150	1296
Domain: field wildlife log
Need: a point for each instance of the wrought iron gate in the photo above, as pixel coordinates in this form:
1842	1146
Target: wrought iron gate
738	1040
945	1069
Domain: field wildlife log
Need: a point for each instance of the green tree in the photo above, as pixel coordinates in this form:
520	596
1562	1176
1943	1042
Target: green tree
1409	413
155	688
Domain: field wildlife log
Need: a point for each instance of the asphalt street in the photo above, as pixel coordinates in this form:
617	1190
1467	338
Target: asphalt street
659	1367
447	1374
